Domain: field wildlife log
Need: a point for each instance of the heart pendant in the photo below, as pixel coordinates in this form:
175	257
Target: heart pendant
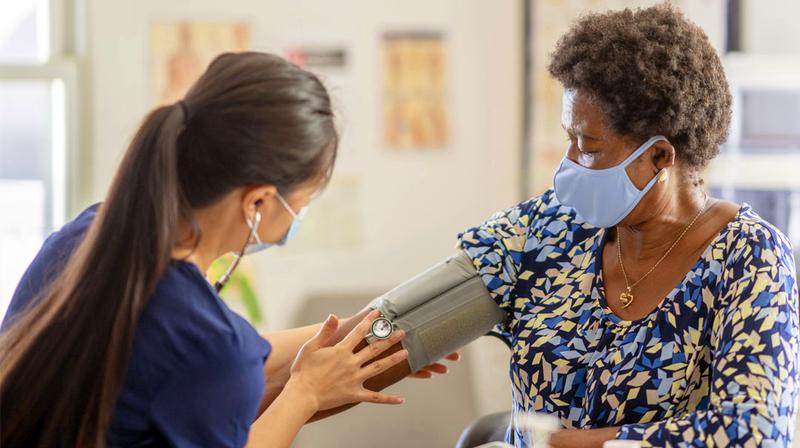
626	298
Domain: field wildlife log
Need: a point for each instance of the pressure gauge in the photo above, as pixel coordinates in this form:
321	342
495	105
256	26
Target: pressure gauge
381	329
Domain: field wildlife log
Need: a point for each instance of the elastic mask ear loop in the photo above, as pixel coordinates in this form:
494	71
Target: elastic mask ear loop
252	235
642	149
286	205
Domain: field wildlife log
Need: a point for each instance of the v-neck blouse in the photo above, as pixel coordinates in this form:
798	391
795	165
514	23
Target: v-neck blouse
714	364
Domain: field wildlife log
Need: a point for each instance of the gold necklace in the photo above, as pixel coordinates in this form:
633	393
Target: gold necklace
626	297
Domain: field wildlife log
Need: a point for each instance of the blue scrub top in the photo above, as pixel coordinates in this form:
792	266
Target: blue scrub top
196	373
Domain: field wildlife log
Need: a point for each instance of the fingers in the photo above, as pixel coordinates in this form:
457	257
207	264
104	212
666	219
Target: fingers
382	365
359	332
346	325
455	356
324	334
441	369
428	371
421	375
376	348
379	398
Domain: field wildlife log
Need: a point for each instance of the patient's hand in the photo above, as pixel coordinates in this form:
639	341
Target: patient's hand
435	368
582	438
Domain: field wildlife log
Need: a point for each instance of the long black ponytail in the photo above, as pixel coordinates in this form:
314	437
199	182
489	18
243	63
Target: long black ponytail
251	119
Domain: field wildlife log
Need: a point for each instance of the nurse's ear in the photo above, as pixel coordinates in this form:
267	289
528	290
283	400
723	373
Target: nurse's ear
257	199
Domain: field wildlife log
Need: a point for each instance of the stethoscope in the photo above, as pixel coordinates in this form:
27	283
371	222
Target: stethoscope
250	237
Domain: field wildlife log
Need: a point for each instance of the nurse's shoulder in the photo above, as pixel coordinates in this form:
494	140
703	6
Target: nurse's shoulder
186	323
196	373
49	262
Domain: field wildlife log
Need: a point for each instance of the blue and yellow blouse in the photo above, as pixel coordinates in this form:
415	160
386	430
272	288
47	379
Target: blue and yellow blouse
715	364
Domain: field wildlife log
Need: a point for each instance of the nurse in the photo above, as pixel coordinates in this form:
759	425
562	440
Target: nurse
115	337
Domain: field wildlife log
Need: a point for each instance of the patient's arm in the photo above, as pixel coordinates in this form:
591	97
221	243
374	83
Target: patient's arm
391	376
286	344
376	383
440	310
280	374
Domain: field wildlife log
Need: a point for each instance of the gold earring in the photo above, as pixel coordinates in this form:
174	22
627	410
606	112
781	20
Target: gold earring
663	176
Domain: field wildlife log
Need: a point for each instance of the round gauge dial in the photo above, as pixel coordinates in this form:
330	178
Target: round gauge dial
382	328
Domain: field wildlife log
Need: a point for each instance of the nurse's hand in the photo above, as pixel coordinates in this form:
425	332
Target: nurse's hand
332	376
436	368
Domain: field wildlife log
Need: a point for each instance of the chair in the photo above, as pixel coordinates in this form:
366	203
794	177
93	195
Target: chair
489	428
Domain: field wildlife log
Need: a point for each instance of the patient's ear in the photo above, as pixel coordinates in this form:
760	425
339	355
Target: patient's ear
663	155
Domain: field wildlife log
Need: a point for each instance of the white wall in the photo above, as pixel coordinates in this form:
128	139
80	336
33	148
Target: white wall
770	26
411	204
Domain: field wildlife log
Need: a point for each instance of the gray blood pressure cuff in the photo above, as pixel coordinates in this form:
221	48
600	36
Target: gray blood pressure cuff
441	310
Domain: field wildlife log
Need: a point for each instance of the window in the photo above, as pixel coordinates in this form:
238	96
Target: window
38	85
757	164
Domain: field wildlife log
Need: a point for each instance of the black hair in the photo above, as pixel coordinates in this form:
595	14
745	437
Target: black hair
251	119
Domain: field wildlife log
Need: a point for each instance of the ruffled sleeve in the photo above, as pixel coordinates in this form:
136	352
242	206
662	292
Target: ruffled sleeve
496	248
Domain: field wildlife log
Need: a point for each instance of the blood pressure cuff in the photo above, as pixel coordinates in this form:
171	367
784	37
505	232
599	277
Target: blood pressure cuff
441	310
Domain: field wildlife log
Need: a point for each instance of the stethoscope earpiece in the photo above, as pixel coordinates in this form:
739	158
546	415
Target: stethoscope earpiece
250	237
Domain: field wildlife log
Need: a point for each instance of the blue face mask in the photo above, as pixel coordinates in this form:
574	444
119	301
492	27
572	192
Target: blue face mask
256	245
604	197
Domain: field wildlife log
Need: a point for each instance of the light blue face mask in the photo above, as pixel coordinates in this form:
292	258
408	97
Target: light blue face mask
256	245
604	197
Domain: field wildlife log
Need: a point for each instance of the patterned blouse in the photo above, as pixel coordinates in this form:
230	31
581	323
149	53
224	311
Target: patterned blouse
715	364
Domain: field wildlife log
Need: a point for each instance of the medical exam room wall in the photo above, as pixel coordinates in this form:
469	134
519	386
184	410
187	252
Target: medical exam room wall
407	206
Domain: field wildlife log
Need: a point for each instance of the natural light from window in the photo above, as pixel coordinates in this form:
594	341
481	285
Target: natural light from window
32	141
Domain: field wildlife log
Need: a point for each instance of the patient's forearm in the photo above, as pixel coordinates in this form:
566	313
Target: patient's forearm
440	310
393	375
376	383
285	345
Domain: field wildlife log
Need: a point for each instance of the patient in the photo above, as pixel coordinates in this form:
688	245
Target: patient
639	307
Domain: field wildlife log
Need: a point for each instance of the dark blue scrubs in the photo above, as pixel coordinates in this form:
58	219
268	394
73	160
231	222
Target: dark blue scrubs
196	374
